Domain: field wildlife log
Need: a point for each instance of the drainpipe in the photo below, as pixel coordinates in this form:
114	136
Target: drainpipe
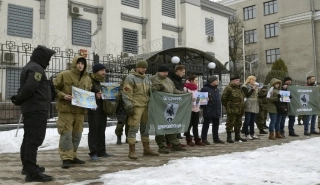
314	42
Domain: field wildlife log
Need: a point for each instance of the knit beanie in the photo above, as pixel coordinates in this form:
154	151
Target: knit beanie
98	67
212	78
142	64
163	68
287	78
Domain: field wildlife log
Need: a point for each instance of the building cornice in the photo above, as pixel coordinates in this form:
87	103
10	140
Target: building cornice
87	7
316	16
138	20
230	2
193	2
171	28
216	8
295	19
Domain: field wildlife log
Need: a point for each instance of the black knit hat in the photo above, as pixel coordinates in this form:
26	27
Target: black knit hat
234	78
98	67
287	78
212	78
163	68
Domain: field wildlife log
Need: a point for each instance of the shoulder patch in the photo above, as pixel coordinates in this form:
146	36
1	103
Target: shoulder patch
37	76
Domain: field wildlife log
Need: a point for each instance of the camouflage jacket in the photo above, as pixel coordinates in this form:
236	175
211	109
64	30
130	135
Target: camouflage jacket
263	100
168	85
233	99
136	91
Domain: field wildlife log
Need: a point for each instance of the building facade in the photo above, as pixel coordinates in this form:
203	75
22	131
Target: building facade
286	29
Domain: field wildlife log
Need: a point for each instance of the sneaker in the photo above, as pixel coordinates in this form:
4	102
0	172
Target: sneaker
77	161
38	177
248	137
105	155
66	164
23	171
314	132
206	142
307	134
254	137
94	157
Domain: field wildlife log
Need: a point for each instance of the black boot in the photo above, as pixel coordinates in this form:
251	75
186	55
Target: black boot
238	138
119	140
229	138
38	177
262	131
66	164
293	134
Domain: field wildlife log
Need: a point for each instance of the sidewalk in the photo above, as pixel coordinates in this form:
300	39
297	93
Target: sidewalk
11	166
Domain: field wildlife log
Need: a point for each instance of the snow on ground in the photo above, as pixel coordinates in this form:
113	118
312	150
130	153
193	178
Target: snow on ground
295	163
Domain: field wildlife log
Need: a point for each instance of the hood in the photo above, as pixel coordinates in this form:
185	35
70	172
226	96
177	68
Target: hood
274	81
42	55
74	64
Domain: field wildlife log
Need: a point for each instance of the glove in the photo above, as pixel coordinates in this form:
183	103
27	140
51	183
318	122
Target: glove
14	100
130	112
290	97
279	96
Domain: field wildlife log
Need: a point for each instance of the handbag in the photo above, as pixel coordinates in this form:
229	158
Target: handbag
282	107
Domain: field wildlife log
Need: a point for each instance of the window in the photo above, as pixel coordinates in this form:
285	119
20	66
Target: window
130	41
209	27
272	30
131	3
232	18
250	36
272	55
168	42
250	58
249	12
13	81
169	8
231	41
81	30
20	21
270	7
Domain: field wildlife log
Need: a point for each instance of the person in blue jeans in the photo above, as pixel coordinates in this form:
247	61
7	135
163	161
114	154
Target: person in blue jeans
275	117
286	82
310	82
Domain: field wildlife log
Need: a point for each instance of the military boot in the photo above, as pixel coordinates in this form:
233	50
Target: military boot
148	151
163	150
229	138
119	140
237	137
177	148
132	153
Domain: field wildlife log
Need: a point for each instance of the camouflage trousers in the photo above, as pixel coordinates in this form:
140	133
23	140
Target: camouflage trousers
140	117
171	138
119	128
261	119
234	122
70	127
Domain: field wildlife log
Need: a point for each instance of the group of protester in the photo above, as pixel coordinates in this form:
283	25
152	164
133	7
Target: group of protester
35	89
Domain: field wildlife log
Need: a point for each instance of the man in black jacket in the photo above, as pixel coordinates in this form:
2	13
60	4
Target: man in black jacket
176	76
35	90
97	119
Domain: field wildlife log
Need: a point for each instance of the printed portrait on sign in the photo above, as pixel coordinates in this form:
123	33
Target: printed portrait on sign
109	90
82	98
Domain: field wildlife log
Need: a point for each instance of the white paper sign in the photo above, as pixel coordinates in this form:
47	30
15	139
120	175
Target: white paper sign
201	98
285	96
82	98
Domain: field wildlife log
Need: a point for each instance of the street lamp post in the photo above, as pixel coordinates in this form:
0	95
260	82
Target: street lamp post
244	59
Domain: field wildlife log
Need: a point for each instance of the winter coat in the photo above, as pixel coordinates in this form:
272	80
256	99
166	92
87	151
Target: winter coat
96	87
168	85
213	108
274	96
63	85
195	108
136	91
34	93
177	80
252	103
263	100
233	99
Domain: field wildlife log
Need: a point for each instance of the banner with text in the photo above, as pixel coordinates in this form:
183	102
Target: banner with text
305	100
169	113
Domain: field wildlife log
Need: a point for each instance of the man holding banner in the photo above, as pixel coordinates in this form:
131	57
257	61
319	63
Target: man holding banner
135	96
173	121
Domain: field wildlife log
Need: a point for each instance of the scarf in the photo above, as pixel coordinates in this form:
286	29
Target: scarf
191	86
97	77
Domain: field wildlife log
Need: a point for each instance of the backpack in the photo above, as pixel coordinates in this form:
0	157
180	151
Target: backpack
109	108
282	107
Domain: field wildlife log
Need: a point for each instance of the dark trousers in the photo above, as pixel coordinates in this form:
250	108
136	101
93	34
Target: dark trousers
249	122
194	122
35	125
205	128
96	136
